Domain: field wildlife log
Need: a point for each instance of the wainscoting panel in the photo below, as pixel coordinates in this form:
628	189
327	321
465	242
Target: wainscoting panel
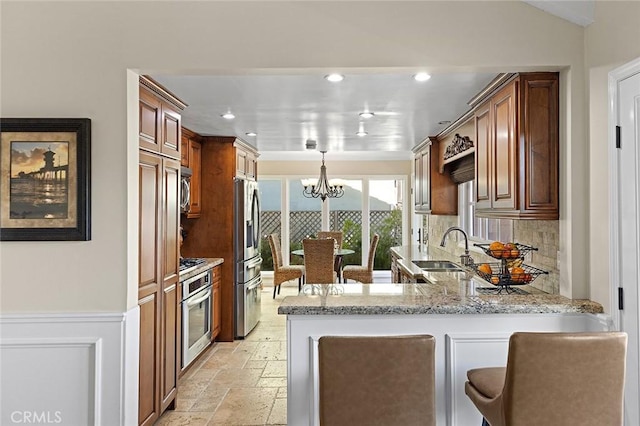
465	351
69	368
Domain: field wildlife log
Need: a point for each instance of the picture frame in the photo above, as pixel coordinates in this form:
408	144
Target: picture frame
45	179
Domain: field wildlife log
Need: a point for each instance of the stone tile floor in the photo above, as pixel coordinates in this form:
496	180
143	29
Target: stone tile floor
242	382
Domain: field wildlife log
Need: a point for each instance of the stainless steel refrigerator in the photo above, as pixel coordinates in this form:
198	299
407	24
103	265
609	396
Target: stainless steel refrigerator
247	257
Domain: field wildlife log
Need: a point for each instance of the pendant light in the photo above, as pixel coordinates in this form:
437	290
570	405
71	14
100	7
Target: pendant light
323	189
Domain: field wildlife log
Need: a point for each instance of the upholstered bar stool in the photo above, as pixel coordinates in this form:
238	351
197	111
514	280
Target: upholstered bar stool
554	379
377	380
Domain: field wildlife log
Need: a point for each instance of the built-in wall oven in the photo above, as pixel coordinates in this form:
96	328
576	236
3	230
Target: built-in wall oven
196	315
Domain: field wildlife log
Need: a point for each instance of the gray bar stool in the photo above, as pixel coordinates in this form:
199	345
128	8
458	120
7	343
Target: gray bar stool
554	379
377	380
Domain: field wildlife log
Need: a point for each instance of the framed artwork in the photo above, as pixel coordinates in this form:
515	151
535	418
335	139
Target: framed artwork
45	179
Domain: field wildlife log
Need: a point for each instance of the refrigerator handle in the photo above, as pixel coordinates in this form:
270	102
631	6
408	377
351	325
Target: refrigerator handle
255	217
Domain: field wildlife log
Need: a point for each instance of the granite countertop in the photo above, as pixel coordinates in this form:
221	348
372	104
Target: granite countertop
443	293
209	263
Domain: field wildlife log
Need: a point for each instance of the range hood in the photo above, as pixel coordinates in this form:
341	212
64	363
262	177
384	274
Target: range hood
459	159
463	169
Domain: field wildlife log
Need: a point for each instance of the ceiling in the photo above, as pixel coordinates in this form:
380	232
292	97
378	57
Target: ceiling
286	110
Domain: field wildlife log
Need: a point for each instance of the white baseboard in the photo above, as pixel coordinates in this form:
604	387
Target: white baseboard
69	368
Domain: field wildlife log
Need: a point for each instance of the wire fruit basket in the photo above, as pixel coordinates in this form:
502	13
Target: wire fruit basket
511	270
505	276
513	251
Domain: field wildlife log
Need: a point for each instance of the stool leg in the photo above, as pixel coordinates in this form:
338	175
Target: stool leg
274	290
485	422
300	283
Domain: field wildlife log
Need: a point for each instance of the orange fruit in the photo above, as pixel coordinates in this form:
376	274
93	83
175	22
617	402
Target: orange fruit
517	274
495	280
496	248
485	269
506	252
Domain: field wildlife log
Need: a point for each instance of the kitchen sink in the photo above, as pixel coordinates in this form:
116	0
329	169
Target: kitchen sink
437	265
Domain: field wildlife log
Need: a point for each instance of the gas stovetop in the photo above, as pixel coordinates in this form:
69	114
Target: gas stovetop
190	262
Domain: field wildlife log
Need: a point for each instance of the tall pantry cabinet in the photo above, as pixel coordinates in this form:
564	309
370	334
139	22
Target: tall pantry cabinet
159	223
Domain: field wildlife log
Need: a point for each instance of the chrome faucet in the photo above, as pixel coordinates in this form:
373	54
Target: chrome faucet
465	259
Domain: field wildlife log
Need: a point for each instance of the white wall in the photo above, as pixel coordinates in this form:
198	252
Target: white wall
69	59
612	40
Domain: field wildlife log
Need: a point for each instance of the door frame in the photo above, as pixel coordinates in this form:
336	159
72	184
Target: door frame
615	77
631	394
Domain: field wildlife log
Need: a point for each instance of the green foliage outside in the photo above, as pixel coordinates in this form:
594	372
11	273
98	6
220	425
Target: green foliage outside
390	231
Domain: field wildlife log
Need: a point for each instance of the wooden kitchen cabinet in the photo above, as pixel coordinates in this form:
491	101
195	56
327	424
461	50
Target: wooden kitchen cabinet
246	162
192	158
395	270
434	192
157	291
159	119
516	132
216	301
158	298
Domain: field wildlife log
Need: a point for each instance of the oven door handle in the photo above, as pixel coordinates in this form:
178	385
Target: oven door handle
191	303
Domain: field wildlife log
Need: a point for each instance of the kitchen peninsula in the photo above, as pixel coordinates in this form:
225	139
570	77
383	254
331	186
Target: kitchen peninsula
469	320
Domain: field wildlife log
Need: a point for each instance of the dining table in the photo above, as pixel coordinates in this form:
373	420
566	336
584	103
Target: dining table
337	265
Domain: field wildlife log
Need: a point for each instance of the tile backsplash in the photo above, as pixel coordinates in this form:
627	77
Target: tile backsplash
542	234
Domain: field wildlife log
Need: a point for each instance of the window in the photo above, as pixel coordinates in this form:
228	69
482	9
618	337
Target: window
370	205
480	228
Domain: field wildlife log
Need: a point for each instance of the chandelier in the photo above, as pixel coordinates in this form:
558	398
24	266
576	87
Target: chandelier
323	189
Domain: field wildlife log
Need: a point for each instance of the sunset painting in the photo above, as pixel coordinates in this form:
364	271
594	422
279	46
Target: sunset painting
39	180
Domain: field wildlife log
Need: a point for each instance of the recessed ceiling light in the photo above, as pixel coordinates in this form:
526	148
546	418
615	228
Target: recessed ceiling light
421	76
228	116
366	114
251	134
362	133
334	78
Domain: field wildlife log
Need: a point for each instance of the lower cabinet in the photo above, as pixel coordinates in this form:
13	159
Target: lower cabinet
395	270
216	301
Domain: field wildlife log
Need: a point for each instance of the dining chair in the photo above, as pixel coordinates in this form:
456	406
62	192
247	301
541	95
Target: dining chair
377	380
363	273
282	273
319	261
336	235
554	379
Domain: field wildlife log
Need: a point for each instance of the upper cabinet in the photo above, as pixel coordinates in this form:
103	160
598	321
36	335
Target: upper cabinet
191	157
246	161
434	192
516	131
159	119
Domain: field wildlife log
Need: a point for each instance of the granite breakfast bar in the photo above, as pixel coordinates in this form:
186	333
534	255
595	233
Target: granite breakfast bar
471	326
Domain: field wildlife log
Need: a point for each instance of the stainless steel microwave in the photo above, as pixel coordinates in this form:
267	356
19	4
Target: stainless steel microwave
185	189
